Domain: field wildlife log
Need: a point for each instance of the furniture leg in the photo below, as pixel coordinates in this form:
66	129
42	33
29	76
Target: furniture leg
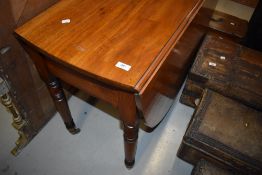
18	122
61	104
130	141
128	115
54	87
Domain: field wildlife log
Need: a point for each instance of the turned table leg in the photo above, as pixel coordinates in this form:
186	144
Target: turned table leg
128	115
61	104
54	87
130	141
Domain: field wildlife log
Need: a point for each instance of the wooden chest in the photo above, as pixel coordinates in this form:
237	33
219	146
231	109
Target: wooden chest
225	132
204	167
228	68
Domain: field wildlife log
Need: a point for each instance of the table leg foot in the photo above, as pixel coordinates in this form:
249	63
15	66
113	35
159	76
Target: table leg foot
74	131
72	128
129	165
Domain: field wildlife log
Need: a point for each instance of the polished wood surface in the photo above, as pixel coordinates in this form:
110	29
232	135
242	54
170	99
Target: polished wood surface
101	33
84	52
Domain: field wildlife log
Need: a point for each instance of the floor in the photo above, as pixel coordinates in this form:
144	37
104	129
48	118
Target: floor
98	149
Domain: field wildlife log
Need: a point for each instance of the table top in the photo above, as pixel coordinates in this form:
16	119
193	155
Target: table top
121	42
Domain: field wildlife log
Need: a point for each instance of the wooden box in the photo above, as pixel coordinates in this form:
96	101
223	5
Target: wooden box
225	132
204	167
228	68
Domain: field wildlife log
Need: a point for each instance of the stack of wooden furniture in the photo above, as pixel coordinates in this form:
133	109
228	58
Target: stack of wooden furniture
224	86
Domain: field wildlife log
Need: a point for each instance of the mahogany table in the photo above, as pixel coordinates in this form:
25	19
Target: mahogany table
115	50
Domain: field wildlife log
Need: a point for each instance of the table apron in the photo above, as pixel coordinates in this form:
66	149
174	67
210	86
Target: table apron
102	92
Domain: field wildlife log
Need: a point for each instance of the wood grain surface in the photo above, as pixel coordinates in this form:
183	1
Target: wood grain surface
139	33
